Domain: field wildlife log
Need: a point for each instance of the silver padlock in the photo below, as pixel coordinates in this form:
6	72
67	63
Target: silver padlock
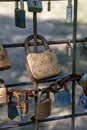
68	48
69	12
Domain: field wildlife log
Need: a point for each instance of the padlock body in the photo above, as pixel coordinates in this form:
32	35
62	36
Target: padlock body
82	102
34	5
4	60
62	98
12	110
24	108
43	109
3	96
20	18
69	15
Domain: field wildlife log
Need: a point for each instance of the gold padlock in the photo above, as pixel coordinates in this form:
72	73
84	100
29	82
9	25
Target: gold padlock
3	93
4	59
43	107
25	104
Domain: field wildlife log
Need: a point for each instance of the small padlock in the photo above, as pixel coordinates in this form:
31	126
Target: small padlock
43	107
68	48
34	5
14	108
83	81
25	104
62	98
20	15
83	101
69	12
3	93
4	59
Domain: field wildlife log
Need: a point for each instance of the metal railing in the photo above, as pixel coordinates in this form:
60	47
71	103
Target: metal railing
73	41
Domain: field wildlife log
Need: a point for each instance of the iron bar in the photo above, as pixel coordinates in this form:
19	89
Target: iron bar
11	45
74	63
15	125
35	50
26	0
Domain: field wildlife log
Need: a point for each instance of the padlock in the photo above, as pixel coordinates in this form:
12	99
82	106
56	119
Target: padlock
62	98
83	81
69	12
34	5
82	101
43	107
41	70
3	93
20	15
4	59
68	48
14	108
25	104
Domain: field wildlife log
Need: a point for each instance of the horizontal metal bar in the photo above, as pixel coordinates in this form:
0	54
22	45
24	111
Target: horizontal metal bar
29	83
49	42
26	0
15	125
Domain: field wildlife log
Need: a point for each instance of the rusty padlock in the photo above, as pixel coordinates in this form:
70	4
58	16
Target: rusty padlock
3	93
25	104
4	59
43	107
46	65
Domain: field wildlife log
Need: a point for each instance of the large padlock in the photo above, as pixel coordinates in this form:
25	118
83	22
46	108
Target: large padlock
20	15
25	104
62	98
43	107
14	108
46	65
3	93
34	5
83	101
4	59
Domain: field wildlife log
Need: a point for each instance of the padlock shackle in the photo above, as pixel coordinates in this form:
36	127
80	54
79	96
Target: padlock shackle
40	95
15	94
16	4
22	4
44	41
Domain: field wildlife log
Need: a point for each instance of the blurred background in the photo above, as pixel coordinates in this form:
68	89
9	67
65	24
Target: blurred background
52	25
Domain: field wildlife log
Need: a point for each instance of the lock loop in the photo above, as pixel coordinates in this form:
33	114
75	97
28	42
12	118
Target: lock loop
22	4
30	38
25	104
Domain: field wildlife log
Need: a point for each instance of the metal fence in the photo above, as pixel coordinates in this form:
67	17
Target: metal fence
74	41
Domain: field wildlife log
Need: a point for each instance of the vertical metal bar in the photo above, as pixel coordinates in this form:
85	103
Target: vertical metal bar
35	50
74	63
35	30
